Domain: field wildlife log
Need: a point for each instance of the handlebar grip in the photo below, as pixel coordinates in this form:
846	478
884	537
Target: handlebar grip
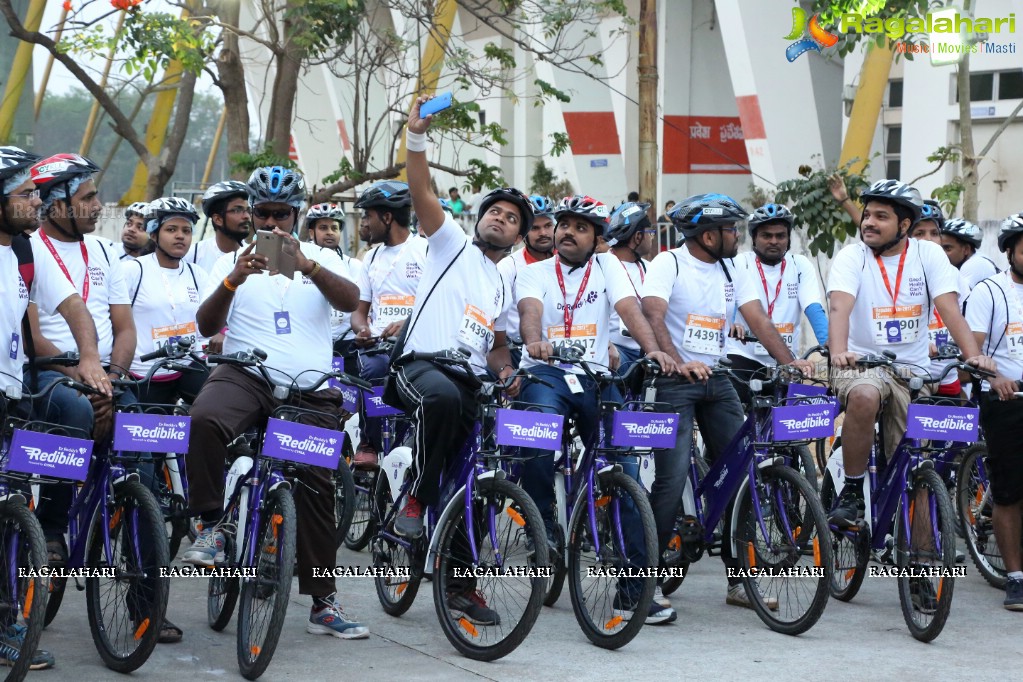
353	381
68	359
162	353
259	354
79	386
239	358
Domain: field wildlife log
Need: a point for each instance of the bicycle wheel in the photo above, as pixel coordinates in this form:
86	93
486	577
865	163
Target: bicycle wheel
850	550
222	593
784	549
344	496
611	610
973	491
927	545
674	556
172	506
263	601
511	570
807	467
364	522
559	569
22	599
404	559
126	609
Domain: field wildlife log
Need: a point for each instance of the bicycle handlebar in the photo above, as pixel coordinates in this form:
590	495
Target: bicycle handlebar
67	359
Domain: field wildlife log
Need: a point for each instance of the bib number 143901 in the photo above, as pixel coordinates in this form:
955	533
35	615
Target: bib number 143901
897	324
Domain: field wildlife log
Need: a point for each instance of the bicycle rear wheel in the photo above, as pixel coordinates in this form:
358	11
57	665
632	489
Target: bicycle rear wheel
22	599
222	592
973	491
512	563
674	556
364	522
344	496
928	544
126	610
850	549
263	601
404	559
611	610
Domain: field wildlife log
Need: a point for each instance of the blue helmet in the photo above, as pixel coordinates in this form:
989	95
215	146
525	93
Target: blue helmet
770	213
703	212
276	184
932	211
543	207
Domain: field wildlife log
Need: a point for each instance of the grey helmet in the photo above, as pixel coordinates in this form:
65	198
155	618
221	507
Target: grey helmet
276	184
223	192
964	231
325	210
770	213
1011	228
896	192
137	208
166	207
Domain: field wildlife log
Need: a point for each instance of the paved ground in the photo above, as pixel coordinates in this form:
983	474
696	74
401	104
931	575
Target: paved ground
709	640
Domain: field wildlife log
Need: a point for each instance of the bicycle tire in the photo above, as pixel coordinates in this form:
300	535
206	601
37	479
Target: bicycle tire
604	630
807	467
275	565
364	522
559	569
396	593
28	603
788	507
507	513
126	640
850	550
222	592
674	561
976	527
344	498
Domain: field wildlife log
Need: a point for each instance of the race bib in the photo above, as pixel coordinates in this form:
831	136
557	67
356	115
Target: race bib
897	324
392	308
163	336
787	330
476	331
937	334
583	336
1014	339
704	334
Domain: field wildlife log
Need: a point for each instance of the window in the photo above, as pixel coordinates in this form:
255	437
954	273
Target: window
894	144
893	151
987	87
893	168
1010	84
894	94
982	87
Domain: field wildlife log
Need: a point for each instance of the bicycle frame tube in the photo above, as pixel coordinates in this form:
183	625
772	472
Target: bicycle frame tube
886	495
726	475
85	502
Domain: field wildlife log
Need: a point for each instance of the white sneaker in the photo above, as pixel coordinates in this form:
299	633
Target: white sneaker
737	597
660	599
207	549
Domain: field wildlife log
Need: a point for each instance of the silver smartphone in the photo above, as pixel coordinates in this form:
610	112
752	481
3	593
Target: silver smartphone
278	260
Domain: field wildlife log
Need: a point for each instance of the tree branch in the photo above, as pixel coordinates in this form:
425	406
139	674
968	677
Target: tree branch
998	131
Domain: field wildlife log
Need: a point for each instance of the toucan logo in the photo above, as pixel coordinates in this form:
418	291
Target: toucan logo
818	36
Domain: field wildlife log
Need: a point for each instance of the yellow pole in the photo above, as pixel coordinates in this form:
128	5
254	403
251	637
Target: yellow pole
216	146
90	127
21	69
867	107
433	59
49	65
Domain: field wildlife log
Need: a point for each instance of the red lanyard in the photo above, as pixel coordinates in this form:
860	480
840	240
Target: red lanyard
570	309
898	276
777	290
85	257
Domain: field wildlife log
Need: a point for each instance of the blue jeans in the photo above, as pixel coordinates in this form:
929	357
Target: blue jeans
628	356
718	412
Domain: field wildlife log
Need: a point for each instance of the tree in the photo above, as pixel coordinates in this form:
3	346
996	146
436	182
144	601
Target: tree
810	202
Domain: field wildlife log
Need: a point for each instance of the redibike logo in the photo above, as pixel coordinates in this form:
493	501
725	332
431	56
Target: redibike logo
946	424
65	456
377	401
167	432
651	429
809	422
310	445
546	431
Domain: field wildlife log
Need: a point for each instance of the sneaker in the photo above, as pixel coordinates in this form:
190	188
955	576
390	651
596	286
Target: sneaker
366	457
332	620
923	596
12	638
207	549
660	599
737	597
409	521
657	615
1014	595
849	511
473	607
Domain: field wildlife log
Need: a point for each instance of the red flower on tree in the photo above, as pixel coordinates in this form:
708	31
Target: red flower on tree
67	5
125	4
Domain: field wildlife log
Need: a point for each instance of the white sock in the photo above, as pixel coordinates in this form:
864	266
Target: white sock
1016	575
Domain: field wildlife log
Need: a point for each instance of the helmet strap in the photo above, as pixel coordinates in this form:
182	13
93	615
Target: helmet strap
889	244
767	261
162	250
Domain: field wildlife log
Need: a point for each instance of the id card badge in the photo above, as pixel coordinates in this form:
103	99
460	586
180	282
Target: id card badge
896	324
282	322
15	345
573	383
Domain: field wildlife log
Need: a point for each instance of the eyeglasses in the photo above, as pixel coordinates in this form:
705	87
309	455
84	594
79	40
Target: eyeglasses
282	214
731	230
238	210
34	194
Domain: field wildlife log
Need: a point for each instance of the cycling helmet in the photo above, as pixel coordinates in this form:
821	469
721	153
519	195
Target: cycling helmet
166	207
703	212
964	231
138	208
770	213
14	161
932	211
514	196
542	206
385	194
898	193
1012	227
626	221
223	192
326	210
586	207
58	176
276	184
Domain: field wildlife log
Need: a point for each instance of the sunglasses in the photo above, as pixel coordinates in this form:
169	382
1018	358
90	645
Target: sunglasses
282	214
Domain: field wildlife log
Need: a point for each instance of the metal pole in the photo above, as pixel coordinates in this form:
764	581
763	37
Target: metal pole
216	146
90	127
648	104
21	70
49	65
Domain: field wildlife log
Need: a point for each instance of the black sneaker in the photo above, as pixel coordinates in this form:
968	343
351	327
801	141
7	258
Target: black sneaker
409	521
473	607
923	596
1014	595
849	511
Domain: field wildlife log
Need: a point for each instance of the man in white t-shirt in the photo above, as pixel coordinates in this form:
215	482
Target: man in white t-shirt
289	319
133	235
225	205
961	239
994	311
631	239
880	292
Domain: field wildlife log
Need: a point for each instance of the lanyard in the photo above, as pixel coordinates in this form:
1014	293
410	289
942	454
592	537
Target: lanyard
283	291
777	290
570	309
168	288
898	276
377	282
63	268
642	276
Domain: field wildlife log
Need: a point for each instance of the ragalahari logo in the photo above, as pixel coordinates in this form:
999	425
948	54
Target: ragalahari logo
818	36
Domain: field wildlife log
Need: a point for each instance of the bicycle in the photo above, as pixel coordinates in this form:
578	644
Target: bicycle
920	544
259	521
485	531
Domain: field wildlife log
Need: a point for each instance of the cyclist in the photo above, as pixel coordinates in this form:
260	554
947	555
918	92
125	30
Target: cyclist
788	290
960	238
134	238
568	301
290	320
323	224
538	246
689	296
387	287
881	291
995	314
226	205
164	298
631	238
465	299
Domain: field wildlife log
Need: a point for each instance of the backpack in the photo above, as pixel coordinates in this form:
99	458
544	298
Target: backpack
26	268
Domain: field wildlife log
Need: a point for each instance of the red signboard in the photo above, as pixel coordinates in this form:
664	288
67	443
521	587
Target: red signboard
704	144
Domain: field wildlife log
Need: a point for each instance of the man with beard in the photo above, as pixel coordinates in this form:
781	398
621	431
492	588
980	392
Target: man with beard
323	225
631	239
133	235
226	205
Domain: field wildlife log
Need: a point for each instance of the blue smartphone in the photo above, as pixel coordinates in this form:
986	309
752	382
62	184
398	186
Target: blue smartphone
436	104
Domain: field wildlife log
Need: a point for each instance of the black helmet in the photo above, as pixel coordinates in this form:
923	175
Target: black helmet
964	231
14	160
1012	227
896	192
385	194
626	221
223	192
703	212
165	207
932	211
514	196
770	213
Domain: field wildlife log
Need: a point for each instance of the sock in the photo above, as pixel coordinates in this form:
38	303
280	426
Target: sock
1015	575
855	483
210	518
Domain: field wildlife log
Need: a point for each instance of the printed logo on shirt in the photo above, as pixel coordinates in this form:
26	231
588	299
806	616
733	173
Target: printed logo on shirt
193	294
792	288
916	286
22	289
96	276
413	271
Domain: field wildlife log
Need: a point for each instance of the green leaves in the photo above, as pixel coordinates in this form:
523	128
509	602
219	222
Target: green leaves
548	90
246	163
825	223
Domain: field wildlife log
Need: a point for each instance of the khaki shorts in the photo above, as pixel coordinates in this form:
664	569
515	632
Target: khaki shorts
893	390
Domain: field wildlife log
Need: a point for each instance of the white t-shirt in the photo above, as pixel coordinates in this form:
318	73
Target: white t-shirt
791	286
206	253
702	302
49	289
878	324
974	269
389	281
124	255
986	311
606	285
164	305
509	268
469	303
287	318
637	276
341	323
106	288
